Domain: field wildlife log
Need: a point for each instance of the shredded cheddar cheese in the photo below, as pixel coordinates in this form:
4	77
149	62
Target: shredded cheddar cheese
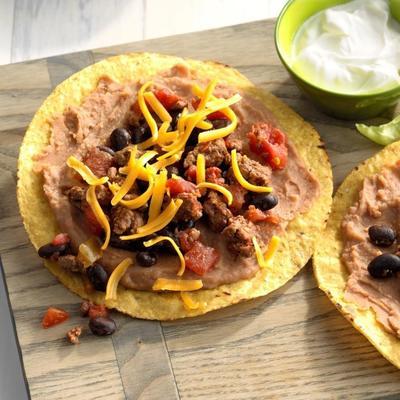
99	214
85	172
168	137
137	202
165	162
115	277
200	169
218	188
204	125
154	226
134	168
159	239
239	177
221	132
157	107
146	113
265	260
158	195
177	285
188	302
205	98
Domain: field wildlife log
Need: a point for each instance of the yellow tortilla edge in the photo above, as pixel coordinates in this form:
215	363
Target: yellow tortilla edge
332	274
297	244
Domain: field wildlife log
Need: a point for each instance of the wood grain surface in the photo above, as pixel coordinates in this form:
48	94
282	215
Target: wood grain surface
292	344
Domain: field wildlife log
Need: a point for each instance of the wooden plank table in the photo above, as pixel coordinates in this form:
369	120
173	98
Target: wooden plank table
292	344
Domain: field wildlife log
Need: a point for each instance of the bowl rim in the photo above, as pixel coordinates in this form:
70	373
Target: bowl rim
393	91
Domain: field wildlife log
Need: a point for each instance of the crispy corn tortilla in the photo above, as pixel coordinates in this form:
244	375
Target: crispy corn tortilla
297	244
330	271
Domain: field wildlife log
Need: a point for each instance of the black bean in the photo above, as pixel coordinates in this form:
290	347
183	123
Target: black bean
381	235
102	326
119	139
106	149
98	277
139	133
384	266
50	250
264	201
186	225
146	258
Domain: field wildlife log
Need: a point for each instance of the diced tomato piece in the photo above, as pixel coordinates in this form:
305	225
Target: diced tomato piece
98	161
211	117
191	173
201	258
92	222
255	215
272	218
216	115
54	316
270	143
166	97
60	239
214	175
96	310
180	185
239	197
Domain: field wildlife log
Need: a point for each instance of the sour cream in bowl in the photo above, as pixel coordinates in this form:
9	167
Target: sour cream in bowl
344	54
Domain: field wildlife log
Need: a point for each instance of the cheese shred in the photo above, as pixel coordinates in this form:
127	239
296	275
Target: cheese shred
115	277
177	285
239	177
159	239
200	169
158	195
157	107
146	113
218	188
85	172
154	226
99	214
134	168
265	260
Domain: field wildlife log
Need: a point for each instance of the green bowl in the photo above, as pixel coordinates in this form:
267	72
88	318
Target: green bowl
340	105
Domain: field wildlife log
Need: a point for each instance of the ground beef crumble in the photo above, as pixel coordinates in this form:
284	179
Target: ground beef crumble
239	234
217	212
252	171
191	208
215	154
124	220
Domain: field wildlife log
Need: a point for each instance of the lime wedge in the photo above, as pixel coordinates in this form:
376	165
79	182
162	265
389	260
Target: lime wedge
395	9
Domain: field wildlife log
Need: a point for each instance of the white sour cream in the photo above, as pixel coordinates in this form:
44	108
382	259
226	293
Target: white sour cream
351	48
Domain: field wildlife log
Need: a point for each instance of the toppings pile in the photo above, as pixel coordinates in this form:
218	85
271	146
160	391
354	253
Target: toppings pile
150	186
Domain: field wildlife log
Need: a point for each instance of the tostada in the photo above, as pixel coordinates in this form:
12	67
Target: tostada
358	261
167	187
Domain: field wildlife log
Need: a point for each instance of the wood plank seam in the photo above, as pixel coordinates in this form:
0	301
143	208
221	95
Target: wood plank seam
169	360
119	368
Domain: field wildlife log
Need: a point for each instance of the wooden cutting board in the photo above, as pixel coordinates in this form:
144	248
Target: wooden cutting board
290	345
